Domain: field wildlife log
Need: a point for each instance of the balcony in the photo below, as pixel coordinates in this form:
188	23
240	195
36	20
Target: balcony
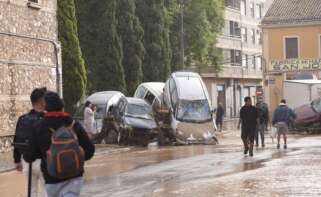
229	42
236	72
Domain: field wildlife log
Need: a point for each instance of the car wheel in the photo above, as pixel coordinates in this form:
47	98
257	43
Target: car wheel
112	137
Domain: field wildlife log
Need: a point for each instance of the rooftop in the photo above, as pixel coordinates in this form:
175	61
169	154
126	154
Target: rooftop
293	12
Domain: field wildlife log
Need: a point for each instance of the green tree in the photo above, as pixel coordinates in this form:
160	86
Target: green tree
102	44
203	21
131	33
154	17
73	69
109	72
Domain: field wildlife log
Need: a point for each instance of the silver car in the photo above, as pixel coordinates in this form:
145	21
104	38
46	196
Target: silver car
187	98
103	101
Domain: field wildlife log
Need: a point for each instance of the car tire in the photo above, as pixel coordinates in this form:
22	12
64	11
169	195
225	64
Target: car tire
112	137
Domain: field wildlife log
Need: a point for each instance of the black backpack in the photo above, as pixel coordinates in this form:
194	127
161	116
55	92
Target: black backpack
25	126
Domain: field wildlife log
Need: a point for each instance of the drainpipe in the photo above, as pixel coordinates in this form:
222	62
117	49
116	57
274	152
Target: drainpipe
57	48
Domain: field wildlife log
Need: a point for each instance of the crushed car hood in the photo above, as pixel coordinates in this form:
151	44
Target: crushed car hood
140	123
197	133
306	115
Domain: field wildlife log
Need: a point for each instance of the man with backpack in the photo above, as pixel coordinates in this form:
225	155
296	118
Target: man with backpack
25	127
62	145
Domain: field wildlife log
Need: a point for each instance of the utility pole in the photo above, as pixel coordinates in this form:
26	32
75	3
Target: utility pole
182	5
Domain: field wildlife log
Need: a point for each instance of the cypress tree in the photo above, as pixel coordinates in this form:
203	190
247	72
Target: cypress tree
73	66
155	21
109	69
131	33
102	44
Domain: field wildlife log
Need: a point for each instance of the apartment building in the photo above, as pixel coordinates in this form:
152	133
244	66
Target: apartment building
241	44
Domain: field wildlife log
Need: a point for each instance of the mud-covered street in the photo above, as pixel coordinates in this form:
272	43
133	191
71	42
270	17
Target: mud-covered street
220	170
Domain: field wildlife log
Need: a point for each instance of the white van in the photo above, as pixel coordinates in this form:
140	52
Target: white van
187	98
152	93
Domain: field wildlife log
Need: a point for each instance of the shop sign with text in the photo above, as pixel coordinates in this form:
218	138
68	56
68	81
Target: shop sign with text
296	64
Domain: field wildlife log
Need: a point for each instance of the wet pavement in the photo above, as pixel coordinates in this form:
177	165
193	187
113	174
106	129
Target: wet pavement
220	170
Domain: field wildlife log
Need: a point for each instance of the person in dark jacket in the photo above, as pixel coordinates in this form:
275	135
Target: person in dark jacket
219	116
282	117
248	120
55	118
31	118
263	116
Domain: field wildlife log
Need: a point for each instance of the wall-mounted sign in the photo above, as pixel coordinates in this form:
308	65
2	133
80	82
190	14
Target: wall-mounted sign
295	64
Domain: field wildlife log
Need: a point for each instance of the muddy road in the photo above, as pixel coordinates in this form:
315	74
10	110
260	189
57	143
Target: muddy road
211	171
202	171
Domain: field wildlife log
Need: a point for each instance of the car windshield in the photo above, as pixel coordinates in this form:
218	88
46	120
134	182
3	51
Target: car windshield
193	111
139	111
316	105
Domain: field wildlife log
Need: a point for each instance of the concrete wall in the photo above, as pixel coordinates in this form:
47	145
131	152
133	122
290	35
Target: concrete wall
25	61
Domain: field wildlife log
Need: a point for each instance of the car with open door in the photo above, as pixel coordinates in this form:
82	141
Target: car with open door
103	101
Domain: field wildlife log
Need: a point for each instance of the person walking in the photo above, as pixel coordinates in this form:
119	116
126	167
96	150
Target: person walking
282	117
89	119
220	116
248	120
62	145
25	127
263	116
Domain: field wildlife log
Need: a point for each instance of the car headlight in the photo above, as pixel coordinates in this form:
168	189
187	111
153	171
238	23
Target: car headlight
179	132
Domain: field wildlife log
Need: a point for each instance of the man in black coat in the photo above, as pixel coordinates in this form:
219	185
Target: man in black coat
248	120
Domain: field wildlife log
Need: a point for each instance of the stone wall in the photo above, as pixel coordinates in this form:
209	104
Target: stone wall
28	56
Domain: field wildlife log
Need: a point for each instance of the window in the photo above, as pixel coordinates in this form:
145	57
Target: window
253	35
226	56
259	37
244	34
291	48
258	11
173	93
236	57
149	97
244	60
34	4
254	61
140	93
259	63
243	7
234	4
235	29
252	9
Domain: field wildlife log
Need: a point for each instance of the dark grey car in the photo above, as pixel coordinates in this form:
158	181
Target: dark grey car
135	121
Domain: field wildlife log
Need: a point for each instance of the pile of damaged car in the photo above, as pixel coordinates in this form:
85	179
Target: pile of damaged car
177	112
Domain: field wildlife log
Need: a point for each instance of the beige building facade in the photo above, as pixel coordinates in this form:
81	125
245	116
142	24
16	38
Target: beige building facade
291	45
29	56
